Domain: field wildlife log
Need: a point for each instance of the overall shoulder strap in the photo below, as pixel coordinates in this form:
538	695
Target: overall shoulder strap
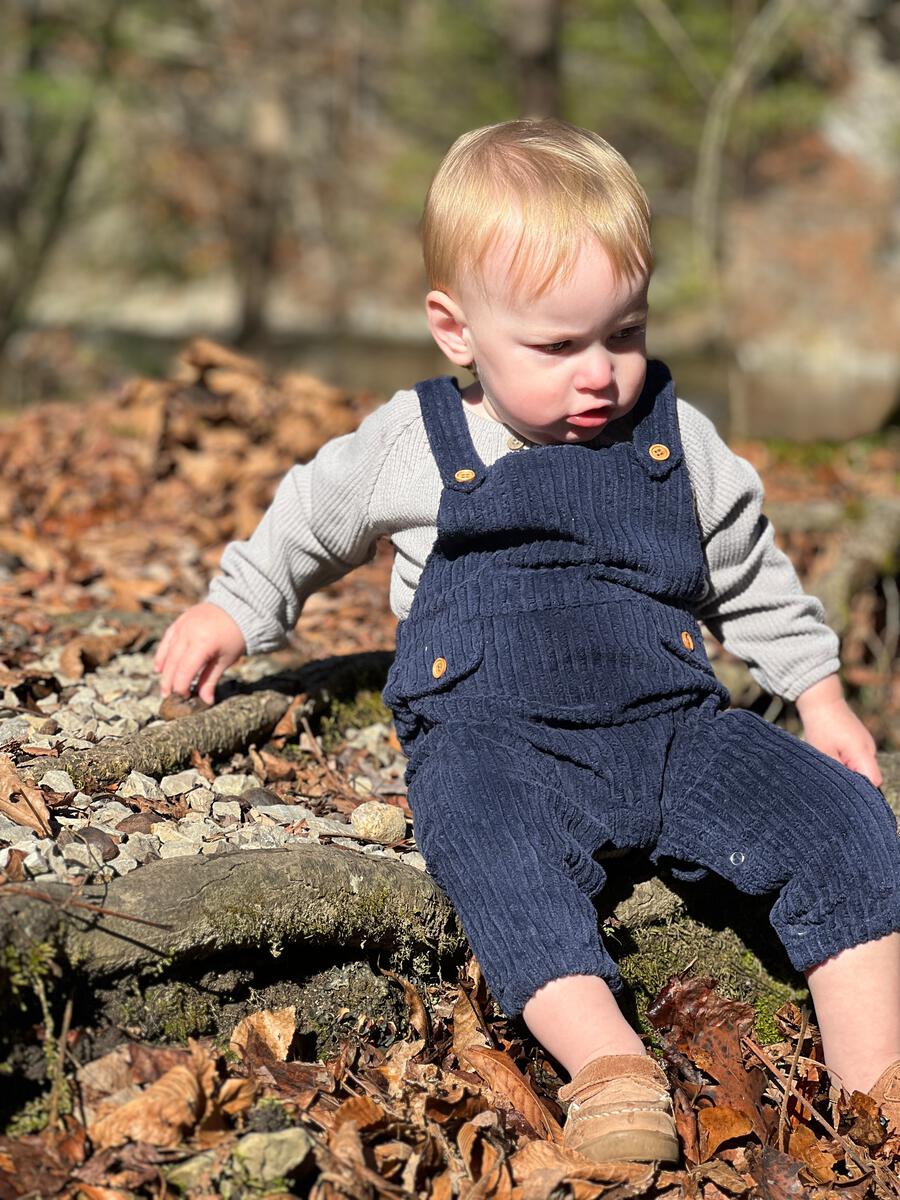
448	433
656	440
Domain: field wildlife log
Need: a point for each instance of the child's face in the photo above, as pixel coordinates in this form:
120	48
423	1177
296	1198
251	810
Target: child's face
561	367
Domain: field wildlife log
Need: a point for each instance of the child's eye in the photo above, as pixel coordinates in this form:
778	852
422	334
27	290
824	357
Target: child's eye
555	347
631	331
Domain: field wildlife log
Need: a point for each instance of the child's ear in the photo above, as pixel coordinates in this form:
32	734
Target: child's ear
448	326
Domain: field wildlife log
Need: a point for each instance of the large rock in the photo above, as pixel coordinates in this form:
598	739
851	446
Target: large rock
813	299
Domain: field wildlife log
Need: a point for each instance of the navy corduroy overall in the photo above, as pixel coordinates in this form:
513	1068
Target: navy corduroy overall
552	691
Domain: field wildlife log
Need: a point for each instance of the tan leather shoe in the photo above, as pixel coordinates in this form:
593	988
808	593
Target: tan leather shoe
886	1090
620	1110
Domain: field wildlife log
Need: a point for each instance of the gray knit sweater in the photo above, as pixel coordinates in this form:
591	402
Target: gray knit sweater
383	481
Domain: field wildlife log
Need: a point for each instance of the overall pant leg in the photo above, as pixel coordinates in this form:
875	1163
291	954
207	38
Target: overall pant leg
772	814
503	830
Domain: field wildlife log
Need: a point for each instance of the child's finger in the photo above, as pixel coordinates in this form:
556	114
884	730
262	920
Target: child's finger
162	649
209	677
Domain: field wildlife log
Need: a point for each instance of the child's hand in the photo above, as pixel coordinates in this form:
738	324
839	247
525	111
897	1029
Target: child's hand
203	639
831	726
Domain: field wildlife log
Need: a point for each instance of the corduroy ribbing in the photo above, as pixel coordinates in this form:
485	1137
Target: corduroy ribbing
382	480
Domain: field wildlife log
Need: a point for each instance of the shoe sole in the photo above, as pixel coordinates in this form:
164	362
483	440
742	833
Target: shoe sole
631	1146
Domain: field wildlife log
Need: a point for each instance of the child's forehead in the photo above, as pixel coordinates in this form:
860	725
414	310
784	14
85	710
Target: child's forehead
553	284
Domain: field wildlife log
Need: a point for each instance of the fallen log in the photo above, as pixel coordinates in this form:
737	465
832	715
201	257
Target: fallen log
245	715
174	921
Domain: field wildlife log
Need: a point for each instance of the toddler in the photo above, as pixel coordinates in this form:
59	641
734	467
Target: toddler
560	526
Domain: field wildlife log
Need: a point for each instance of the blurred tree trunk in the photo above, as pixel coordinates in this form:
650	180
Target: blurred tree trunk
37	182
533	33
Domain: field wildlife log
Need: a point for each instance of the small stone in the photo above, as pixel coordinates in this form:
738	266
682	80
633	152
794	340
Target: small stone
78	854
197	1172
15	729
25	839
58	781
383	823
111	813
227	811
184	781
319	826
414	859
260	797
360	784
142	822
36	863
141	785
201	800
234	785
101	843
165	830
123	863
285	814
9	829
178	848
80	800
142	846
263	1158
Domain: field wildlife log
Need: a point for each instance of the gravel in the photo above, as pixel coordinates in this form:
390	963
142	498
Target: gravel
121	828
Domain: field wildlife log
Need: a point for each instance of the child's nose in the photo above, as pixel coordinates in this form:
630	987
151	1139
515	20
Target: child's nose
596	369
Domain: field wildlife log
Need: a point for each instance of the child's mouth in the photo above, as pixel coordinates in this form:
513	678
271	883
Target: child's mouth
591	418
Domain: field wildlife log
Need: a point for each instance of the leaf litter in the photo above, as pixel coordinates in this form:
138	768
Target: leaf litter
147	488
466	1109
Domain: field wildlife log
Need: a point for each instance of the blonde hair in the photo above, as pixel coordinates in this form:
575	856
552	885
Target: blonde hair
548	185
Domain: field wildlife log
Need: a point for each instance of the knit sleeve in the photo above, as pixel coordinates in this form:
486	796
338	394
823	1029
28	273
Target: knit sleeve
755	604
317	528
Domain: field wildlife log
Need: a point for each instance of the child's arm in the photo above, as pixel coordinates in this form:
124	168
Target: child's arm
317	528
831	726
756	605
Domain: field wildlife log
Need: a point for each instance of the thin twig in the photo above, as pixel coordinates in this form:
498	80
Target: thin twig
867	1167
58	1064
18	889
346	791
782	1115
45	828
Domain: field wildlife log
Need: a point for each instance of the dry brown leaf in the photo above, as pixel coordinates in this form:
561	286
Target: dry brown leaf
724	1176
820	1161
469	1028
476	1151
272	1031
718	1125
362	1111
418	1014
504	1078
236	1096
541	1167
28	808
161	1115
93	650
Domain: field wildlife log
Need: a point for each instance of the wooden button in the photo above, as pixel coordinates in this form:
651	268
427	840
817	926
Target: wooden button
514	443
659	452
438	667
464	476
686	640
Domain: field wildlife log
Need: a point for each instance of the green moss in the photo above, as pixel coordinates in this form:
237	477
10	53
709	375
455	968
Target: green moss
659	951
365	708
173	1011
24	970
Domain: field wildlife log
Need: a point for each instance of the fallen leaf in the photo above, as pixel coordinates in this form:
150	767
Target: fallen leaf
164	1112
820	1162
718	1125
505	1079
29	809
265	1034
777	1175
364	1112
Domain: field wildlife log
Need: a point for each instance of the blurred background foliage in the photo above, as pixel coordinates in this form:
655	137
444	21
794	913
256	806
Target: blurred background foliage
257	171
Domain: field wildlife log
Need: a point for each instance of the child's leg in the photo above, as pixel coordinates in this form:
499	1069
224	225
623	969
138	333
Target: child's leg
770	813
857	998
503	834
578	1019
